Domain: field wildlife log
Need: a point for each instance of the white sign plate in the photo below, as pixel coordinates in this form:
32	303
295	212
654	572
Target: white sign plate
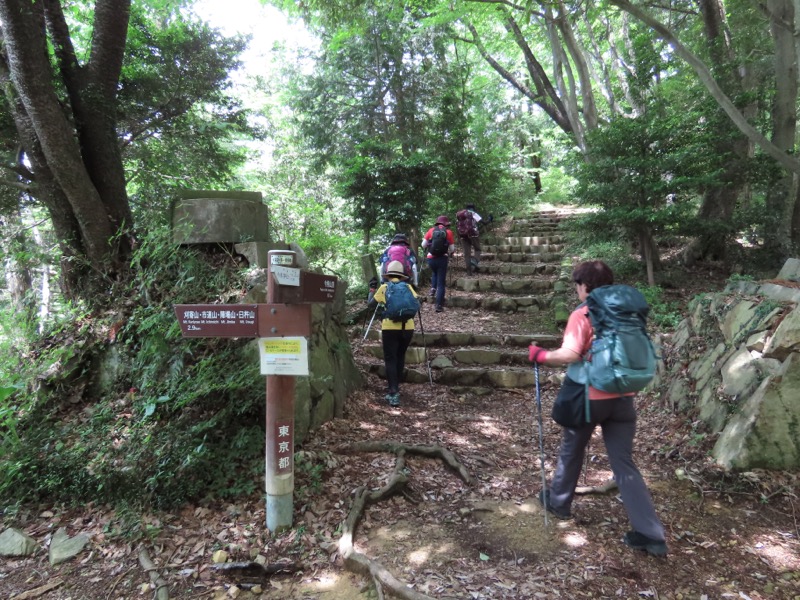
281	259
286	275
283	355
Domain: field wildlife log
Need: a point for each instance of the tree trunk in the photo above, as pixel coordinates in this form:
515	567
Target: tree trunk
589	106
76	169
92	92
544	95
649	252
780	197
719	201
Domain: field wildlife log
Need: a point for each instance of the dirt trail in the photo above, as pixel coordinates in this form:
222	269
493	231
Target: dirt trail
729	537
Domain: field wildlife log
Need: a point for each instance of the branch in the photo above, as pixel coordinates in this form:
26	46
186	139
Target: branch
18	185
162	593
111	19
787	161
537	97
535	68
64	50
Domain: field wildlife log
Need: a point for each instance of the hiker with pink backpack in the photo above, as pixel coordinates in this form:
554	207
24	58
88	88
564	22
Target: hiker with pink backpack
400	250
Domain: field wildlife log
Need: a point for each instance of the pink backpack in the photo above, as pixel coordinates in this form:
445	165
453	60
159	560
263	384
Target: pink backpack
466	224
398	252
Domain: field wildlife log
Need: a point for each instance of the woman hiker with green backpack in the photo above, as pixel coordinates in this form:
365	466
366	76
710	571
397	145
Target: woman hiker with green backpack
616	415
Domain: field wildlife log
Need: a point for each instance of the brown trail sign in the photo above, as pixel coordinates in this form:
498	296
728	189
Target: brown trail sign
282	325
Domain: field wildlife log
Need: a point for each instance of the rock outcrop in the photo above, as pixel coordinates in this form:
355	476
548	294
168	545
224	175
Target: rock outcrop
735	360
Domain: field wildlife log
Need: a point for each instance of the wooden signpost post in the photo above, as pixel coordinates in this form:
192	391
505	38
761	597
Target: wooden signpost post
282	327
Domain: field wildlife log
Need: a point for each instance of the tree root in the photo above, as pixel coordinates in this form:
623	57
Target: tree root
162	593
445	455
360	563
603	488
39	591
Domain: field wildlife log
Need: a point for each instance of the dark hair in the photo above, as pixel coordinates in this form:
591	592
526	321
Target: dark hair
593	274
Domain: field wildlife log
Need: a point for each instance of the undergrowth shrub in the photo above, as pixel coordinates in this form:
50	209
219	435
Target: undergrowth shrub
182	420
664	314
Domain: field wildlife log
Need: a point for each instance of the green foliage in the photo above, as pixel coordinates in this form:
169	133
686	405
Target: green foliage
185	134
387	188
648	173
664	314
614	253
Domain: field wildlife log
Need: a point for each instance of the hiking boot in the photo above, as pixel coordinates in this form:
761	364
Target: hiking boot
393	399
559	513
432	293
439	309
639	541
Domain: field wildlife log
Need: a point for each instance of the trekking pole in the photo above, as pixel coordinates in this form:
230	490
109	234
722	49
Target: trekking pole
366	331
425	348
541	441
586	461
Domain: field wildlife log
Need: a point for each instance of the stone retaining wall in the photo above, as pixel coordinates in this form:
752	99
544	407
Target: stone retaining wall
735	362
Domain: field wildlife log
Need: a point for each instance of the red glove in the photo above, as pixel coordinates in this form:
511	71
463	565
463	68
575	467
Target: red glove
537	354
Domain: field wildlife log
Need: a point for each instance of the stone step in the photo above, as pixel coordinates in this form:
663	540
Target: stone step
539	219
532	230
521	270
532	248
518	257
504	286
508	378
521	240
510	304
482	357
459	339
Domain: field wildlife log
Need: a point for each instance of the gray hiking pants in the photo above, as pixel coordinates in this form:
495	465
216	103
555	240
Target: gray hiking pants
617	419
467	245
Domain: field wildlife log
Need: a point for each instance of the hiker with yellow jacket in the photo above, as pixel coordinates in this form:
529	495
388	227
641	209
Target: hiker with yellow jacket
396	335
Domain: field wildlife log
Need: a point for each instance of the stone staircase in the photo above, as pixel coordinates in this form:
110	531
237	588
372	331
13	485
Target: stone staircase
480	342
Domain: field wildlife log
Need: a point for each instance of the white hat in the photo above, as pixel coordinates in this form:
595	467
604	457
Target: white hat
396	269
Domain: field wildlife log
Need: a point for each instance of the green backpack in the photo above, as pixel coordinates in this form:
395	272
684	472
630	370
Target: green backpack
622	358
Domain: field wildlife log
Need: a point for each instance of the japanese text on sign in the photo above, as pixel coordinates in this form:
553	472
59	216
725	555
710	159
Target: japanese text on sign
286	275
223	320
283	446
281	259
283	356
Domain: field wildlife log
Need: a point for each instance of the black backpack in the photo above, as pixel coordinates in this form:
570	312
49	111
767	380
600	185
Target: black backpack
439	242
401	304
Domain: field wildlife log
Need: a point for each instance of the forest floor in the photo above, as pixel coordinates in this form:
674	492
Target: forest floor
472	529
